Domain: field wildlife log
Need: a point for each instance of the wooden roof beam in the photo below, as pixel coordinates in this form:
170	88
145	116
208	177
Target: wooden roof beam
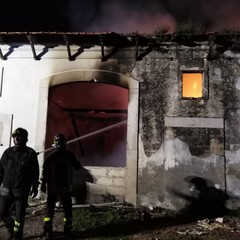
67	41
1	53
102	47
137	42
31	40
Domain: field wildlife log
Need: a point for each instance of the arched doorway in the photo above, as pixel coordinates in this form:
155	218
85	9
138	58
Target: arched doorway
129	173
79	108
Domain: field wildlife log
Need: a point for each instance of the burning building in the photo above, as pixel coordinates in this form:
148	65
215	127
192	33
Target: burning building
172	99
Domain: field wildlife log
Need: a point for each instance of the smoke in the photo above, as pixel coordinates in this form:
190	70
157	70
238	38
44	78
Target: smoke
131	21
145	17
122	16
222	14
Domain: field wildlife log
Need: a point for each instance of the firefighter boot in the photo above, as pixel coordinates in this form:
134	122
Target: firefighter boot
67	226
48	227
47	236
9	233
17	231
18	235
9	224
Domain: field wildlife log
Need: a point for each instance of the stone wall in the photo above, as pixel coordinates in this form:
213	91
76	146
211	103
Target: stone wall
107	182
160	156
169	155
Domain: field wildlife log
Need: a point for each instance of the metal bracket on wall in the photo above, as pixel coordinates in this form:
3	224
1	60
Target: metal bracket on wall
31	40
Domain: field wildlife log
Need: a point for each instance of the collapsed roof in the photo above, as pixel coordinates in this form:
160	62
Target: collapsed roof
219	41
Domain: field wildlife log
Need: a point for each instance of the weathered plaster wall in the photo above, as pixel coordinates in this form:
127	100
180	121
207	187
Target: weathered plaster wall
25	86
159	156
168	155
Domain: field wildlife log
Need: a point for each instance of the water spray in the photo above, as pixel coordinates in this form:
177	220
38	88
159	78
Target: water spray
88	135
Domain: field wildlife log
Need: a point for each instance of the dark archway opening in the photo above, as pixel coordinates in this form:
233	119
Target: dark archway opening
78	108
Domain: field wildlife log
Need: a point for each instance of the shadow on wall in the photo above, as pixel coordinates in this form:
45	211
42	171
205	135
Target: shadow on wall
80	179
204	199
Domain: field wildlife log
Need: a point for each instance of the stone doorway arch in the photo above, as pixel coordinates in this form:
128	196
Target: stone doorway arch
130	171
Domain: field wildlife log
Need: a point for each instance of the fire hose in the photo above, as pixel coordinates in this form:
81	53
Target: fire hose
88	135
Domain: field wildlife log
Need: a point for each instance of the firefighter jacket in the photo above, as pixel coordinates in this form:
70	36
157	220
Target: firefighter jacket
58	171
19	170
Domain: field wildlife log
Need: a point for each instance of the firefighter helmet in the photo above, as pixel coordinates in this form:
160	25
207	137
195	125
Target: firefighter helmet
21	132
59	140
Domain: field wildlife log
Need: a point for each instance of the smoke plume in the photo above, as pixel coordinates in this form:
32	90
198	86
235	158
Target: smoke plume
145	17
122	16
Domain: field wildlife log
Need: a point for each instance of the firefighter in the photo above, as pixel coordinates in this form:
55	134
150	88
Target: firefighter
19	178
56	181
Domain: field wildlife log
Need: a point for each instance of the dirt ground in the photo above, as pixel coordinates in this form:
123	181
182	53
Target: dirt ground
150	226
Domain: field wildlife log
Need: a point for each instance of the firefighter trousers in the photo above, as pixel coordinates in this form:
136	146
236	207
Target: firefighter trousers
12	213
66	200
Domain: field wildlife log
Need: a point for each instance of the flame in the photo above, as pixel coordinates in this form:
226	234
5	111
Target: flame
192	85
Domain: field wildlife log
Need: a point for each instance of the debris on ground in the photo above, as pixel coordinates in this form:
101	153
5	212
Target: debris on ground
113	220
208	225
204	226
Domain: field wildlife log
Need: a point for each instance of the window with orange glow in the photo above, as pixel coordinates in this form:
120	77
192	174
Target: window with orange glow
192	85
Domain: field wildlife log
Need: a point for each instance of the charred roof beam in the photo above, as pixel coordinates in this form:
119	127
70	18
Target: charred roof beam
102	47
137	47
32	40
67	41
1	53
139	56
185	40
215	50
114	50
145	53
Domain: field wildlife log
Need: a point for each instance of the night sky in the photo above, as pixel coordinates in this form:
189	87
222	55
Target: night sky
122	16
